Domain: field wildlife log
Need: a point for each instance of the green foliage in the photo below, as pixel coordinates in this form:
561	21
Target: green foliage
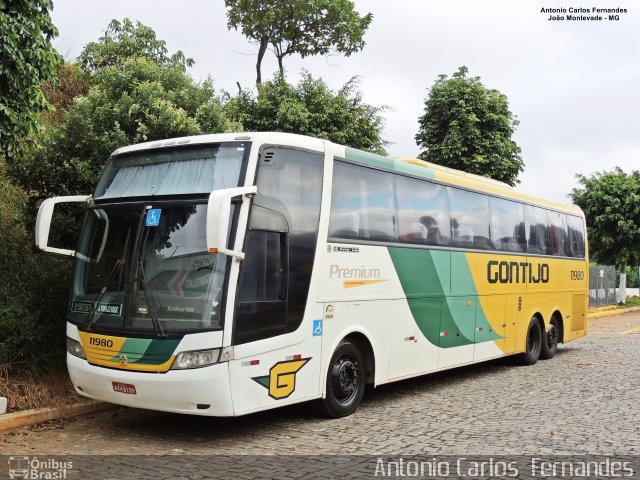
611	204
136	102
309	27
119	102
32	292
311	108
27	60
632	277
71	83
469	127
632	302
124	40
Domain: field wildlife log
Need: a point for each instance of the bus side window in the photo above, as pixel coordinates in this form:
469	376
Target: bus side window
507	225
538	237
262	272
576	236
558	244
290	187
469	219
423	213
370	195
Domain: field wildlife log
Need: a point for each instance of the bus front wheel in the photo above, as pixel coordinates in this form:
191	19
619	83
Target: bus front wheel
534	343
550	340
345	381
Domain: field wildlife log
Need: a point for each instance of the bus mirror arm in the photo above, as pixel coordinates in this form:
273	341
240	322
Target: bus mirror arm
218	214
43	221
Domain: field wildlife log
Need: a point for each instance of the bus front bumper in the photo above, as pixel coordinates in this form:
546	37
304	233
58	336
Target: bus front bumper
198	391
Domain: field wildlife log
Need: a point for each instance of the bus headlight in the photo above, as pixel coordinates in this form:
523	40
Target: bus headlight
74	347
196	359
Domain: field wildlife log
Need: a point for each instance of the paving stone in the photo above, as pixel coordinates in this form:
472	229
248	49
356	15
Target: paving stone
584	401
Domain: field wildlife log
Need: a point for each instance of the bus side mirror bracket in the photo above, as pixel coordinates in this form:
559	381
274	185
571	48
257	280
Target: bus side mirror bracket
218	213
43	222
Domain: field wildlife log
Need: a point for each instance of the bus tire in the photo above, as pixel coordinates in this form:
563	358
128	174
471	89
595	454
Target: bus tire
345	381
550	340
534	343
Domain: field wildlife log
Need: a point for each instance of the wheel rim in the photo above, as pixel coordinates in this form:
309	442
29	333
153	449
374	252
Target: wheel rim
552	336
345	378
533	341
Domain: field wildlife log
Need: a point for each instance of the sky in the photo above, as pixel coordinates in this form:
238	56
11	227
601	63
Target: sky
574	86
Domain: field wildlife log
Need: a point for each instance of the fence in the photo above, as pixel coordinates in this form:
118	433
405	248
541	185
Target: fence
602	286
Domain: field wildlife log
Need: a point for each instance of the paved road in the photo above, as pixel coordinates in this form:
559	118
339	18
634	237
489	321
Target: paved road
584	401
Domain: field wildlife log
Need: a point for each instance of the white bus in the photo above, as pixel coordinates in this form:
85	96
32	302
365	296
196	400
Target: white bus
231	273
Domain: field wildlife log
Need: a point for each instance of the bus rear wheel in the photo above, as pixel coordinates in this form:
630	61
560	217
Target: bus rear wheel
534	343
345	381
551	339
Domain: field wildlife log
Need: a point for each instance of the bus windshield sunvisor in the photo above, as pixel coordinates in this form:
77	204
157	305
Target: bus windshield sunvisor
173	172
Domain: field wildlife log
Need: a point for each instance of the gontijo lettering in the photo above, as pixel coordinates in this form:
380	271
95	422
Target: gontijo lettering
517	272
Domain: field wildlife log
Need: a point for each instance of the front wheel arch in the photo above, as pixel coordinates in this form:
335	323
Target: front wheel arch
366	349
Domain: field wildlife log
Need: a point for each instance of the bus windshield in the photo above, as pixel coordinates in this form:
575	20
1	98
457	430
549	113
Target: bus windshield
145	270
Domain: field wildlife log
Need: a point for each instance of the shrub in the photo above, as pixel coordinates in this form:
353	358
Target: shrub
33	292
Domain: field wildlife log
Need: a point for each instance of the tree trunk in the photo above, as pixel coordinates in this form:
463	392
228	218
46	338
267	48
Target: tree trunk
280	65
622	291
264	42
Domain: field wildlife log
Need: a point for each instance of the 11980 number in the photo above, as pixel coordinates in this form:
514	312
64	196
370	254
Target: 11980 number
100	342
577	275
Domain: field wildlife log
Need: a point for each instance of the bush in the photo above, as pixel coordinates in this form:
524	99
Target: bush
33	292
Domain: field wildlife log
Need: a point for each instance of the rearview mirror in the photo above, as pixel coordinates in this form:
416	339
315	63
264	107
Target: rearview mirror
43	222
218	213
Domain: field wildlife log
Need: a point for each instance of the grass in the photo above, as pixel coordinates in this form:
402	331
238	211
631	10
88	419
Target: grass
25	391
632	302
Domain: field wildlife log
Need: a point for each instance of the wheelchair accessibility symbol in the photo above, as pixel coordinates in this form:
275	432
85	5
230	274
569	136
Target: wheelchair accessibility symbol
317	328
153	217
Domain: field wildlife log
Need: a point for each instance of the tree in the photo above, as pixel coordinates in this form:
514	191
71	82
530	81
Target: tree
27	60
309	27
124	40
311	108
139	101
144	97
611	204
469	127
72	82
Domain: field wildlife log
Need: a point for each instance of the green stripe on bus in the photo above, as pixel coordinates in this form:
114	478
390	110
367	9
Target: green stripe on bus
134	348
387	163
415	170
444	320
159	351
464	281
421	272
368	158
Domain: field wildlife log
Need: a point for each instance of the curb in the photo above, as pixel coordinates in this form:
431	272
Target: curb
9	421
608	313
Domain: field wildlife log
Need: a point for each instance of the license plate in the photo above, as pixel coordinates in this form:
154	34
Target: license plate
124	388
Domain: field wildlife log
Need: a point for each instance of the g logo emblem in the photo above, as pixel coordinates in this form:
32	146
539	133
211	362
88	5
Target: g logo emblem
281	381
123	360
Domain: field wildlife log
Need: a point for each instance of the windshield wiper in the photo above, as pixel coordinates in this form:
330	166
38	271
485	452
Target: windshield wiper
118	266
147	296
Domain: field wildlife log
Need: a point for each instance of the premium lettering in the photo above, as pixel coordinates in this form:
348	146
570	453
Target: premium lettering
355	273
